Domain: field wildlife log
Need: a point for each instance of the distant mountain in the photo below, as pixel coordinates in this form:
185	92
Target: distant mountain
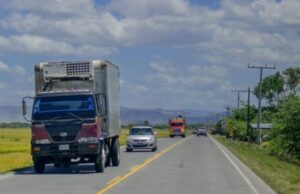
129	115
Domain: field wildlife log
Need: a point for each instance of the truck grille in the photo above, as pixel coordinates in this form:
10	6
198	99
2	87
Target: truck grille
70	131
177	130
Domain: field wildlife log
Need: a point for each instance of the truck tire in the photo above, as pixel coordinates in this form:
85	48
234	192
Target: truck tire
39	166
171	136
115	153
100	161
107	151
128	150
183	136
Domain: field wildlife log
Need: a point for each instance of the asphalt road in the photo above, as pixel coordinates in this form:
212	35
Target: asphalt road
180	166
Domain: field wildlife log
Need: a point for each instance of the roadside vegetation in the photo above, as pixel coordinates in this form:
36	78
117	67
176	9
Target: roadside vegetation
15	147
278	160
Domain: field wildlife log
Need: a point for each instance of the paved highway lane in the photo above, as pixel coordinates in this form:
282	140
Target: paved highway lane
190	165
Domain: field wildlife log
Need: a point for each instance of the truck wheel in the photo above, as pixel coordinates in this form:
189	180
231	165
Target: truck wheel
183	136
100	162
39	166
171	136
107	151
115	153
128	150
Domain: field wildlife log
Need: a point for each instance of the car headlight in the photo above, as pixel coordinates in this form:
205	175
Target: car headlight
151	139
88	140
129	138
42	141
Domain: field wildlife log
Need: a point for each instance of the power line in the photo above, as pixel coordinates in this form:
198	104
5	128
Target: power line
259	96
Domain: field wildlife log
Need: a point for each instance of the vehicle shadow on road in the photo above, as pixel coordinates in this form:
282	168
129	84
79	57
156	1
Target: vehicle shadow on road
51	170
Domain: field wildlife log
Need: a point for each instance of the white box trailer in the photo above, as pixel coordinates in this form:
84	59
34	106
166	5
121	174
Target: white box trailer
76	107
99	77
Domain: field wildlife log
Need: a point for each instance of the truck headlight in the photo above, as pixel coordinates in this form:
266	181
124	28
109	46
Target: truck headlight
88	140
42	141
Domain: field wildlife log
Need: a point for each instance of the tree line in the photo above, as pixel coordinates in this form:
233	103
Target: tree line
281	92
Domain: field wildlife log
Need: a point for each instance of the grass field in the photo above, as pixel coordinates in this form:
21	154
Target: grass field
15	147
282	176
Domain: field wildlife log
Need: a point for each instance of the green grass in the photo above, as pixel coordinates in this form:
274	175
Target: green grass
283	177
15	147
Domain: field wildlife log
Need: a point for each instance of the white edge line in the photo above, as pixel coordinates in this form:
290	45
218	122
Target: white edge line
236	167
5	176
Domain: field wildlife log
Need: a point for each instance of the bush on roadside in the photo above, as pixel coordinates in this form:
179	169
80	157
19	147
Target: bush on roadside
286	133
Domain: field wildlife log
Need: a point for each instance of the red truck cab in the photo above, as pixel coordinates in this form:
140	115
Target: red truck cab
177	127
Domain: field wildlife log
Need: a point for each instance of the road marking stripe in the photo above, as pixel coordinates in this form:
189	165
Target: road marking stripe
235	166
133	168
137	168
5	176
113	180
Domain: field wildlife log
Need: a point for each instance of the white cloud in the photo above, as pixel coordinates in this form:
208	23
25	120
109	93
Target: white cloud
189	86
146	8
2	86
237	33
54	7
19	70
34	44
208	70
3	67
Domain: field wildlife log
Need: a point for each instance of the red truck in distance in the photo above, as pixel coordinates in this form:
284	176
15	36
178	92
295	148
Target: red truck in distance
177	126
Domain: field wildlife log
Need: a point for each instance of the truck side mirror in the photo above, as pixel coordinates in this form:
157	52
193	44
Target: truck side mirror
24	107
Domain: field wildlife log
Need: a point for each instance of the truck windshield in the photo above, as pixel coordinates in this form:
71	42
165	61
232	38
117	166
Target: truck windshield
176	124
63	107
141	131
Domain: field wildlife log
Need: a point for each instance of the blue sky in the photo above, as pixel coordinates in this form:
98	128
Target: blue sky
172	54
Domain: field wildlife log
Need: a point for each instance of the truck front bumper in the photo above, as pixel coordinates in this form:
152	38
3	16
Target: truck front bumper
70	150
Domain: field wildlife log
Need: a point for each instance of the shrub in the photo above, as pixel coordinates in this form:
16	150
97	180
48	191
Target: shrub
286	133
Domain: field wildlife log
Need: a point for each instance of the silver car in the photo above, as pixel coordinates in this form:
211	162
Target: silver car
202	131
141	137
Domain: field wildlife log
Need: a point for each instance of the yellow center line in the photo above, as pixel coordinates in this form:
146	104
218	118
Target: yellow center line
133	168
137	168
113	180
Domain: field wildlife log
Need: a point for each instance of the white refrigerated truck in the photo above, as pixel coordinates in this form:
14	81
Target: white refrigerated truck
76	114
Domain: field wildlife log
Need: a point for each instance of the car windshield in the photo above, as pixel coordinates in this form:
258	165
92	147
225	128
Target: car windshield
63	107
141	131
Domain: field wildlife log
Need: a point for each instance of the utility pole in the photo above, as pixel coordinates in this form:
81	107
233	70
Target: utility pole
227	107
248	114
259	96
238	96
